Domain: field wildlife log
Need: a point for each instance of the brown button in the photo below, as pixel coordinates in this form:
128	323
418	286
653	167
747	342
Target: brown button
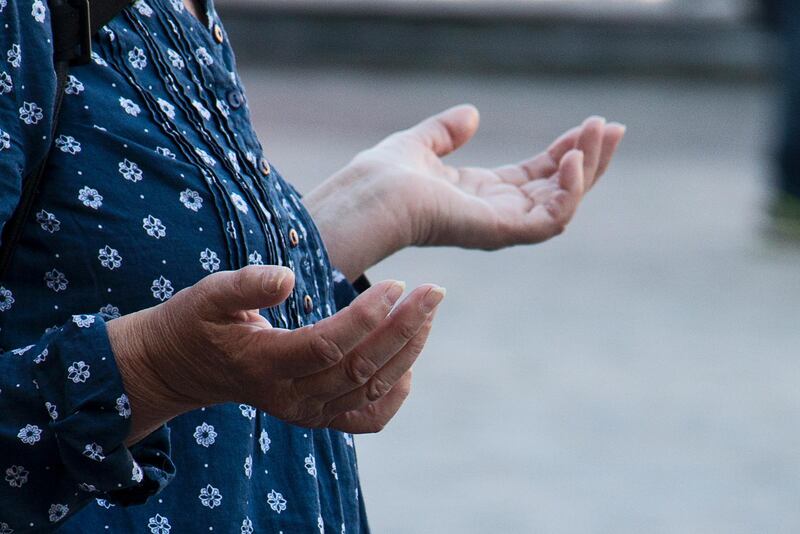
308	304
265	170
294	239
218	37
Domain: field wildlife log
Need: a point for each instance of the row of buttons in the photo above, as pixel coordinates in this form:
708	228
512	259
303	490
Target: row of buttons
235	101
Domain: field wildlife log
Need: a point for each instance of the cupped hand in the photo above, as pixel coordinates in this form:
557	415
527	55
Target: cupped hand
208	344
401	193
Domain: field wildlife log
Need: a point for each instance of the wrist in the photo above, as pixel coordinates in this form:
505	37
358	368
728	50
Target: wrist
152	401
359	219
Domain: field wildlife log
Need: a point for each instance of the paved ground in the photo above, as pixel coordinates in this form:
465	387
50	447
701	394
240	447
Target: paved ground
639	374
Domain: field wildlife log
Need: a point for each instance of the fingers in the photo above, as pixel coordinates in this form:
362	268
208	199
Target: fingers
590	142
385	379
612	136
364	362
314	348
252	287
373	417
447	131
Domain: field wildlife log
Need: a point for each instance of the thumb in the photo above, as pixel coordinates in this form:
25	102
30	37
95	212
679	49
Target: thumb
252	287
447	131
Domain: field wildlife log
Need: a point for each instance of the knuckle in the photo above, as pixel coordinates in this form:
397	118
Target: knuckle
359	368
377	388
326	349
407	330
366	319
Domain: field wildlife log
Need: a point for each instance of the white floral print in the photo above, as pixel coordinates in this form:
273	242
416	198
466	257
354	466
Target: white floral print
162	288
247	411
143	8
137	475
6	299
248	466
276	501
104	503
110	309
38	11
167	153
90	198
201	109
175	59
52	410
333	471
137	58
234	160
177	5
264	441
30	434
83	321
203	56
5	140
158	524
247	526
30	113
167	108
57	512
320	525
191	199
16	476
68	144
41	357
239	202
209	260
123	406
208	160
109	258
130	170
74	86
14	56
78	372
48	221
154	227
204	435
56	280
254	258
223	108
6	83
210	496
311	465
93	451
97	59
130	107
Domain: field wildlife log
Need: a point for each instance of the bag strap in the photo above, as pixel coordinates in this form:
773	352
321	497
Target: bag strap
74	22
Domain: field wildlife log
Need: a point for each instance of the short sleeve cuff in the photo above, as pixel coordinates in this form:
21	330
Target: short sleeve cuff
78	379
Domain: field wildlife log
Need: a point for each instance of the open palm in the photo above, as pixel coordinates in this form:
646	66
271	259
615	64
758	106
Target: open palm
527	202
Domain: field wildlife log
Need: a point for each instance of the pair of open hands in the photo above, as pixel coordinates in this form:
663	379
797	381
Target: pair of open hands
208	344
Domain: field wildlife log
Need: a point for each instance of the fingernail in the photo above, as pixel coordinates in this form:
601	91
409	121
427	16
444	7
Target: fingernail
433	298
394	292
619	125
275	281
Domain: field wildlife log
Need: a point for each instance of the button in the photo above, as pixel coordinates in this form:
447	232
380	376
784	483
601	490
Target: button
218	37
264	166
308	304
294	239
234	99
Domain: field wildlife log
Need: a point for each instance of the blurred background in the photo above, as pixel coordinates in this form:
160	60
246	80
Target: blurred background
639	373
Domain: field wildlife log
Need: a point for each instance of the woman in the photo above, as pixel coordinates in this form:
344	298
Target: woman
183	341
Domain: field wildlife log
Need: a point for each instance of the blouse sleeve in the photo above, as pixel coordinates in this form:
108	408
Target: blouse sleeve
64	415
344	291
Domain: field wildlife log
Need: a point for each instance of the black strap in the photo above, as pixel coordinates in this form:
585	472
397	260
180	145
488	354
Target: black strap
74	22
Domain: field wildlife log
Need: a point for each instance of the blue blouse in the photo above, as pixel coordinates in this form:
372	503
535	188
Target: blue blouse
156	179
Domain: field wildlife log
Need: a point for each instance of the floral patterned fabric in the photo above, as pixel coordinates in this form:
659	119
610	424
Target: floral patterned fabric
155	180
